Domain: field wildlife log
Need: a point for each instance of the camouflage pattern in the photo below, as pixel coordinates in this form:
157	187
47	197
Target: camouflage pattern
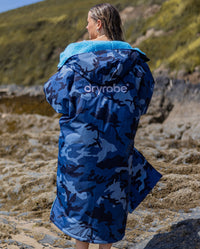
100	175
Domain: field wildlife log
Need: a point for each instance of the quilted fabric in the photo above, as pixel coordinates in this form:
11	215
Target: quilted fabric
100	176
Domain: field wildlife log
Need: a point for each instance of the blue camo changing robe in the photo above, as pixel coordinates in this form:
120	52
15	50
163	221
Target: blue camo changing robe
102	89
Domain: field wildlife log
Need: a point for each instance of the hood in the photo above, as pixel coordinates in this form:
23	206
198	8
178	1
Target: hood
107	65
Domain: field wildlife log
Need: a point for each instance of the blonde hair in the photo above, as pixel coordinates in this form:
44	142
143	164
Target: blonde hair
110	18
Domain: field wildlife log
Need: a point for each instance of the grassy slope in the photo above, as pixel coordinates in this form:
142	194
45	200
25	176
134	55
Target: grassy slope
33	36
179	46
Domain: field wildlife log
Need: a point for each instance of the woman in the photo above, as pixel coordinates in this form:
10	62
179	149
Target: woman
102	87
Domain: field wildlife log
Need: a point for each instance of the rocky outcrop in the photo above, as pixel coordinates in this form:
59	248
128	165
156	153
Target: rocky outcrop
169	92
24	100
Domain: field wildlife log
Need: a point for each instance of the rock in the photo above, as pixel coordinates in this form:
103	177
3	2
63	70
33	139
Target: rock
183	235
123	244
177	90
55	241
16	243
160	105
16	90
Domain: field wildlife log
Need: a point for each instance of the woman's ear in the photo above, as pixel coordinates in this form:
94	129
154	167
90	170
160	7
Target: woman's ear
99	24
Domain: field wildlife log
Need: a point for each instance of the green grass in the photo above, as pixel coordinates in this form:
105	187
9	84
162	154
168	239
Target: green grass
178	47
32	37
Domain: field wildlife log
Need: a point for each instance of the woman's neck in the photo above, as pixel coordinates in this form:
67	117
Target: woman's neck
101	38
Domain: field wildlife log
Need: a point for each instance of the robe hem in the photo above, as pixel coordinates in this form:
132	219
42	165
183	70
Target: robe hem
81	238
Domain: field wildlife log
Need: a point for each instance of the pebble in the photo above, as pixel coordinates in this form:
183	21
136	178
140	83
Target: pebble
55	241
16	243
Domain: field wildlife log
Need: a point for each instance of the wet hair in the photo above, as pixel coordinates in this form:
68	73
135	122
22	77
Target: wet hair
110	18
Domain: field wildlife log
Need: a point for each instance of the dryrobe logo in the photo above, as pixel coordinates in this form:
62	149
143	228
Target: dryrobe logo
106	89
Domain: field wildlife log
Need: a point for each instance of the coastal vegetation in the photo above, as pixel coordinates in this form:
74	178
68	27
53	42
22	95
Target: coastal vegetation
33	36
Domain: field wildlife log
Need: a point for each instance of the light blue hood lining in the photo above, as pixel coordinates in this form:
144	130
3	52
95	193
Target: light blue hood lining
92	46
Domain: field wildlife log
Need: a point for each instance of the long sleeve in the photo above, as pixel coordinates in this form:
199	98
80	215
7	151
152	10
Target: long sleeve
57	90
